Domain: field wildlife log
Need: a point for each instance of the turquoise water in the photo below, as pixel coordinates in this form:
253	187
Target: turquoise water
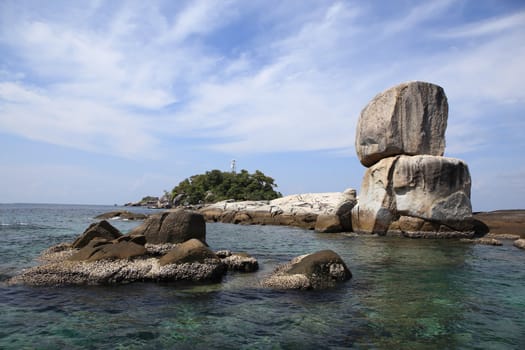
404	294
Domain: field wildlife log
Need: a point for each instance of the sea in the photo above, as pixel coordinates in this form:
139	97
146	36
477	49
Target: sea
404	294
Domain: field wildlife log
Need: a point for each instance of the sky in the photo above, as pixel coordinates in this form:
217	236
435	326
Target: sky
104	102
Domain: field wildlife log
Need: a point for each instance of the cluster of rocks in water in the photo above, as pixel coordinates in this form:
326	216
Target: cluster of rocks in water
409	189
170	246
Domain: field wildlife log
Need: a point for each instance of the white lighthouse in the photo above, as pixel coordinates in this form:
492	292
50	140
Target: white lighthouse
233	166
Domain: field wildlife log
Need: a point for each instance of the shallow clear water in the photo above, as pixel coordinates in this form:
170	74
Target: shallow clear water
410	294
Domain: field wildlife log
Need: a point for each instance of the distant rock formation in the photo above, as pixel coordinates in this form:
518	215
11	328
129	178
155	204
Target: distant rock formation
409	188
325	212
121	215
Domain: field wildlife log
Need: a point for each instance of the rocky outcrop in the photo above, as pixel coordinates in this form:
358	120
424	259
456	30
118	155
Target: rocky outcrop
519	243
410	118
190	251
117	271
175	226
100	249
297	210
409	188
102	229
503	223
121	215
415	196
242	262
320	270
128	259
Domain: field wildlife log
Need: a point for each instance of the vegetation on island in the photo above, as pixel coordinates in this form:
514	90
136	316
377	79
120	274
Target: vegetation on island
216	185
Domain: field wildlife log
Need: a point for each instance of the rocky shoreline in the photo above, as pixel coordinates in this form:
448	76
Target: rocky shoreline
166	247
324	212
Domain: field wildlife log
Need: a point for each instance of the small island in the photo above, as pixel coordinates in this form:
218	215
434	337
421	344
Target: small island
214	186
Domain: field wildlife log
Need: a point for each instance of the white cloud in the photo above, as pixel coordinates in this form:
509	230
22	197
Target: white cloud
72	122
198	17
417	14
487	27
147	74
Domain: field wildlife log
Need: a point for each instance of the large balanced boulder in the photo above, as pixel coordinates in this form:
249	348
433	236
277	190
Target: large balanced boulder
409	188
415	196
172	227
102	229
410	118
320	270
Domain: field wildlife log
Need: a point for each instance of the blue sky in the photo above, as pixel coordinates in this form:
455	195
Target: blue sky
104	102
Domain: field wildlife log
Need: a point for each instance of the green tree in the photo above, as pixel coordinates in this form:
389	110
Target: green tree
216	185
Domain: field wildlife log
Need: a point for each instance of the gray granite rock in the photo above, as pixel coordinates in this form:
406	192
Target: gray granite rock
410	118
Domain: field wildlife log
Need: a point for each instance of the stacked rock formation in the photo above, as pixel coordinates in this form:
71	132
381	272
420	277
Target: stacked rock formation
409	188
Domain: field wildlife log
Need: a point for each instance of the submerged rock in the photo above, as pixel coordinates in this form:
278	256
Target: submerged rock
483	240
519	243
320	270
172	227
241	262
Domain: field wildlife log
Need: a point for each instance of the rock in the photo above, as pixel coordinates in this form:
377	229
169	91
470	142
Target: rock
375	209
503	222
121	214
323	269
137	239
416	196
172	227
410	118
190	251
519	243
117	271
221	254
241	262
296	210
100	249
483	240
102	229
159	249
328	223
